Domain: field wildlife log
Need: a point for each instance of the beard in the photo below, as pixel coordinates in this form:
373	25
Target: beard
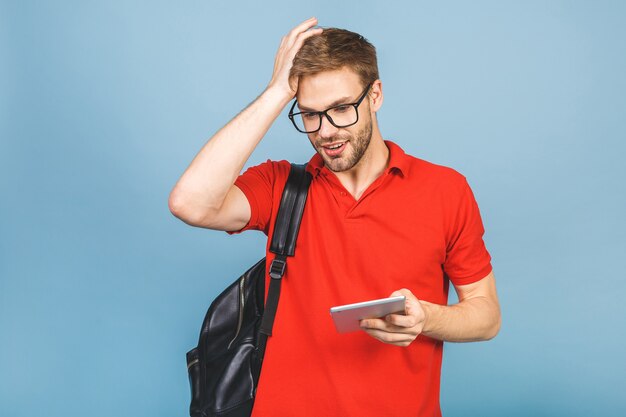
355	149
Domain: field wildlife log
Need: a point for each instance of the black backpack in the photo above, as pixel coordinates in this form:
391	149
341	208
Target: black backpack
224	368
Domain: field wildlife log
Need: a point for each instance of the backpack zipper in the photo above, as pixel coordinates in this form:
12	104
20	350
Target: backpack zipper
192	363
242	301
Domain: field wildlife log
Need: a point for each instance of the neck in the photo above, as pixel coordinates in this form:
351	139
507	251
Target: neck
371	166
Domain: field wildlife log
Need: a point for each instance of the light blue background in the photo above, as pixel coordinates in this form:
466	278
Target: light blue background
104	104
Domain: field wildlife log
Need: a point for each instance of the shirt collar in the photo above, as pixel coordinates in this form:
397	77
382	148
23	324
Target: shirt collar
398	161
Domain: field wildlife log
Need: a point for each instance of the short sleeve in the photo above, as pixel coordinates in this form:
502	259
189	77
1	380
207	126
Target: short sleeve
257	184
467	259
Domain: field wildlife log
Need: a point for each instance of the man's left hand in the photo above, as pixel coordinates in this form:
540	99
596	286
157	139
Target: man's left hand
398	329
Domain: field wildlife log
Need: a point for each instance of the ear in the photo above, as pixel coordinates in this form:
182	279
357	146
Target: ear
376	96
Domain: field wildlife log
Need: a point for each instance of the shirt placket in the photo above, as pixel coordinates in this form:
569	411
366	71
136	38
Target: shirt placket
347	203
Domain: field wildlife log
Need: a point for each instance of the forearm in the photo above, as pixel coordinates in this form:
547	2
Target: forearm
470	320
204	186
206	182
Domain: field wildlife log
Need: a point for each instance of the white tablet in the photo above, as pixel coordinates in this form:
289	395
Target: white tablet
347	317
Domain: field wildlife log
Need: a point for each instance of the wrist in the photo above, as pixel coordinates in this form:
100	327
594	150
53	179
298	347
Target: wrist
430	310
278	94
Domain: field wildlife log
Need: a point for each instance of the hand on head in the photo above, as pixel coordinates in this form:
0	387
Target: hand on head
290	44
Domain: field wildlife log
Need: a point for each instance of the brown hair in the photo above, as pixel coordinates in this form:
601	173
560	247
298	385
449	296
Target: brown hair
334	49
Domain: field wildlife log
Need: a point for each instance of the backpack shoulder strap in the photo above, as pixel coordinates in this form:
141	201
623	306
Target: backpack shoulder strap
290	211
284	240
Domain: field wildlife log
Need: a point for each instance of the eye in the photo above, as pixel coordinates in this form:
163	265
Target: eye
309	115
341	109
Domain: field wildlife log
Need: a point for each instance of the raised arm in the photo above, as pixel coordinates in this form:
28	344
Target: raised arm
205	195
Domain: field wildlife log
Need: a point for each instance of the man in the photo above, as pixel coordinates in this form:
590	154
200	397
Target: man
377	222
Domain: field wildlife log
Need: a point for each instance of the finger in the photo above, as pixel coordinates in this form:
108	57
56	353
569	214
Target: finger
410	298
310	22
286	53
380	324
302	27
401	320
414	308
400	339
302	37
407	293
372	324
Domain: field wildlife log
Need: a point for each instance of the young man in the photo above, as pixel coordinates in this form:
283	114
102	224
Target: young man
378	222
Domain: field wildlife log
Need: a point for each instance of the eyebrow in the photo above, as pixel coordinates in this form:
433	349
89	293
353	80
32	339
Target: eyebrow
342	100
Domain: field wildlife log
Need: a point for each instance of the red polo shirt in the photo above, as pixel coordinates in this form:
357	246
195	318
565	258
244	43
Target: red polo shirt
414	223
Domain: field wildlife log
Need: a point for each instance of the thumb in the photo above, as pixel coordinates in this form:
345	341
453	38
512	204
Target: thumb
411	300
407	293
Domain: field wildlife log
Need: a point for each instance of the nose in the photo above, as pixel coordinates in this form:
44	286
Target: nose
327	130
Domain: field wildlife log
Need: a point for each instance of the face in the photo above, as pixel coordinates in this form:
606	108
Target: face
340	148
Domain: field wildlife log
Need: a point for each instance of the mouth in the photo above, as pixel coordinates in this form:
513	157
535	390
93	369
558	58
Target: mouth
335	148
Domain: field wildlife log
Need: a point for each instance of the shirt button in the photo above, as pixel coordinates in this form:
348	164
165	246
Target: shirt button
343	194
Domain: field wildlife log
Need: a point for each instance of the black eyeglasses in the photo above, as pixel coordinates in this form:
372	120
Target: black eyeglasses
342	115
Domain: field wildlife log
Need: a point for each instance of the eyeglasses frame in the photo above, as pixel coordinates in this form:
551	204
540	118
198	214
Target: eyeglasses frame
356	104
